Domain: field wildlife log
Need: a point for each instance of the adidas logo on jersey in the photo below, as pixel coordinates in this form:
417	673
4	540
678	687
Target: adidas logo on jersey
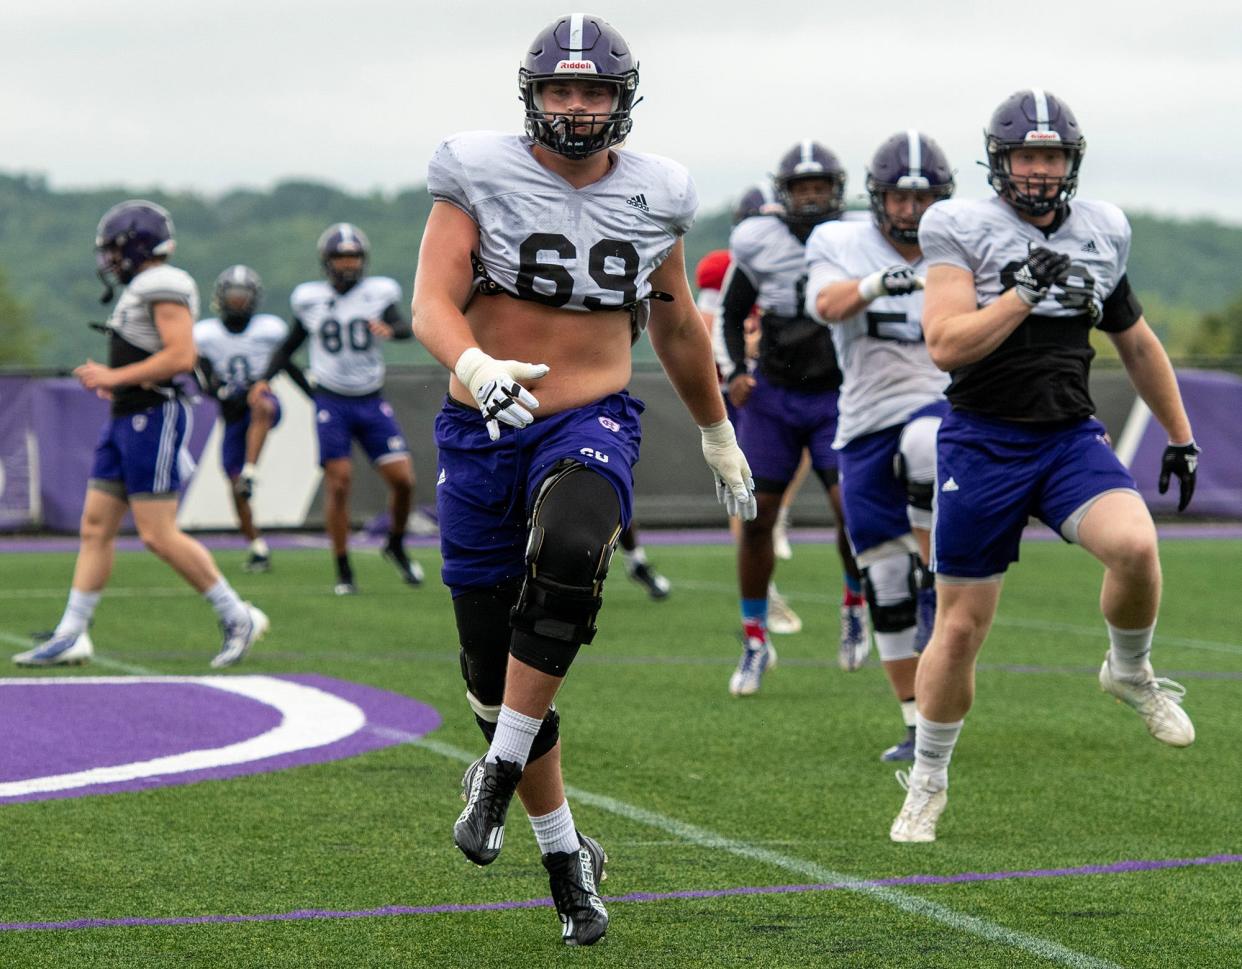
1089	246
949	485
639	201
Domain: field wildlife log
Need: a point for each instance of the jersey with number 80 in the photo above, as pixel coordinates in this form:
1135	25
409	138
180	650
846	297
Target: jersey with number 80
345	357
541	239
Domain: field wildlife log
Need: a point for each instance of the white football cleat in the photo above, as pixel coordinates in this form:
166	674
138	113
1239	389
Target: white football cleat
917	821
757	658
782	620
69	650
855	637
240	636
1157	701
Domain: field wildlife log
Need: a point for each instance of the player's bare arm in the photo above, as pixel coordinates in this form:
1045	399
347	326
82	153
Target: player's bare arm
442	286
177	356
957	332
682	344
839	301
1149	369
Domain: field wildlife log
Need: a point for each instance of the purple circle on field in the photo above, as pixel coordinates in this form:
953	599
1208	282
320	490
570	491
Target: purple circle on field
66	728
72	726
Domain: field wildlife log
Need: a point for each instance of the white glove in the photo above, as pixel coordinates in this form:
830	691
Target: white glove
735	488
893	281
494	384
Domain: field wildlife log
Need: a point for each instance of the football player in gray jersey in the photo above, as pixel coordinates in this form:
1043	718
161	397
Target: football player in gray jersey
1014	286
865	281
555	247
234	348
788	406
348	316
140	463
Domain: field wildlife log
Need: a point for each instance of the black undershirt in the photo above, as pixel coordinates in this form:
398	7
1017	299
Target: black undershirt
794	352
1040	373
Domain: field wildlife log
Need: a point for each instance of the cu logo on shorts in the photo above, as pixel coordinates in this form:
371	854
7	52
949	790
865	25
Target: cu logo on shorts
139	422
590	452
608	424
323	417
396	443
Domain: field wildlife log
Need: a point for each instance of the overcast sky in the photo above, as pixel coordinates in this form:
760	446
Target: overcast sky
247	92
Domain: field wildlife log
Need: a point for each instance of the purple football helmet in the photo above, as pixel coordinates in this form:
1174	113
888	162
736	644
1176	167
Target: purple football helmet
586	48
343	239
809	159
1033	119
129	235
909	161
758	200
238	292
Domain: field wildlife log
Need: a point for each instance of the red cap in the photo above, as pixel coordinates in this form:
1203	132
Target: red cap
711	270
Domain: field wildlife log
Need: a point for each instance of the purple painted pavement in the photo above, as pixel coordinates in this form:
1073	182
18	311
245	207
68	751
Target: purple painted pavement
155	718
1116	868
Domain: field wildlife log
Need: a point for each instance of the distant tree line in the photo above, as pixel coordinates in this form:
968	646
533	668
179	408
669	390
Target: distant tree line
1184	271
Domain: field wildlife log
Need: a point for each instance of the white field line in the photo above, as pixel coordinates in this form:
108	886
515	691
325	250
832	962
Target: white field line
97	660
701	837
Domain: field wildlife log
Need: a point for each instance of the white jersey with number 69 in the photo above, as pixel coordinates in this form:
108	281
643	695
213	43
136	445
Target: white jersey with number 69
541	239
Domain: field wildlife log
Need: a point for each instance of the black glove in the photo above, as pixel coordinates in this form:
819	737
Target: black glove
1042	268
1181	460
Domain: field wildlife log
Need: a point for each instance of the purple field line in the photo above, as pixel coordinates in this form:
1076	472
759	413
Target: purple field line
1116	868
680	536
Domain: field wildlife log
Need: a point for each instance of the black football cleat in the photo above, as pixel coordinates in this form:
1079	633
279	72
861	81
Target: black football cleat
411	572
656	585
574	877
487	788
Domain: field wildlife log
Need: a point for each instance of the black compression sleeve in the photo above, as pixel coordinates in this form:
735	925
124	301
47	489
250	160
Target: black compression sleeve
281	358
298	377
401	329
1121	309
735	305
205	374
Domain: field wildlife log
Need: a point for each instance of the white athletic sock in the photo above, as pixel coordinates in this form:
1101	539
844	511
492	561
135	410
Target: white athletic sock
909	712
1129	651
556	831
933	748
515	732
249	470
226	602
78	612
259	547
635	557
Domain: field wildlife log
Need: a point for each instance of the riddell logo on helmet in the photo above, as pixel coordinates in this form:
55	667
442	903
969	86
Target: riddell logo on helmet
1042	136
581	67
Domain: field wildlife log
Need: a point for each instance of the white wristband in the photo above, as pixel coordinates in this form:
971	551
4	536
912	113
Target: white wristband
719	434
871	287
467	363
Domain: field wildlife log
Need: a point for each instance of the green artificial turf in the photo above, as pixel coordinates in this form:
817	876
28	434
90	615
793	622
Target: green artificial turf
688	788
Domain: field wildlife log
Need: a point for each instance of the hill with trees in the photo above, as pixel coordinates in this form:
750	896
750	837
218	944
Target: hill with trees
1185	271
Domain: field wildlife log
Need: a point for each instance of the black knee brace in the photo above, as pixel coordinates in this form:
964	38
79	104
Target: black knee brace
484	631
919	494
574	525
896	616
